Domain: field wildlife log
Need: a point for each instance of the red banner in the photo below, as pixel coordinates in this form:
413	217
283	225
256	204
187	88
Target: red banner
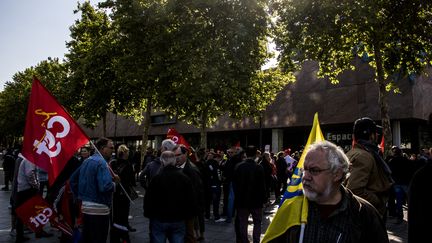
382	144
35	213
177	138
51	135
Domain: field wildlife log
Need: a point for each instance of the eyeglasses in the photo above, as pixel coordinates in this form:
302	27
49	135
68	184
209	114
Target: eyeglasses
313	171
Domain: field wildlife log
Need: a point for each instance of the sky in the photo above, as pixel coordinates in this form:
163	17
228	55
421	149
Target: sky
31	31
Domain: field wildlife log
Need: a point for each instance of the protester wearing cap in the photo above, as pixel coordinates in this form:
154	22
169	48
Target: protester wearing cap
370	177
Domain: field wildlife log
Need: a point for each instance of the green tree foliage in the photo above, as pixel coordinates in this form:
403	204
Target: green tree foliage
393	36
213	61
93	87
15	96
140	30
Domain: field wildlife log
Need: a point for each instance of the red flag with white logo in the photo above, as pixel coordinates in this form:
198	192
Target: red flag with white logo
382	144
51	135
177	137
35	213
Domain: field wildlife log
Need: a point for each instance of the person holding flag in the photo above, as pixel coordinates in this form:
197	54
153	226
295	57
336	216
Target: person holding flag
27	187
293	222
93	184
335	214
51	138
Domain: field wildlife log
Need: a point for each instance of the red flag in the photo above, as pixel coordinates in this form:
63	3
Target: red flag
51	135
35	213
177	138
382	144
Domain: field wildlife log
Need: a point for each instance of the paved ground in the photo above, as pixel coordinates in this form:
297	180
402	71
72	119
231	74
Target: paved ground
215	232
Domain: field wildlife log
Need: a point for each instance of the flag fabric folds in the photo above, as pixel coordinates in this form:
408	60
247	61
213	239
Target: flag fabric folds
382	144
293	209
177	137
51	135
35	213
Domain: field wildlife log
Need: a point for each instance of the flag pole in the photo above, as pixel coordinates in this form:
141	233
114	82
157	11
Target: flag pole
302	229
112	173
303	218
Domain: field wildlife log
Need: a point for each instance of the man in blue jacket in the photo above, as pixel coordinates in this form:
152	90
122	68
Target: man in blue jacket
93	184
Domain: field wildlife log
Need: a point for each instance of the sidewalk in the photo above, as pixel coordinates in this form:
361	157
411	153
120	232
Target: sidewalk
214	232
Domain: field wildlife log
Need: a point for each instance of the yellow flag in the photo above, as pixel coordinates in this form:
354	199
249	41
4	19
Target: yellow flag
294	207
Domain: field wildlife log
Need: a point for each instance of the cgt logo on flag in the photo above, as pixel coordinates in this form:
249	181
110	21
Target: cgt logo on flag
51	135
177	137
35	213
48	140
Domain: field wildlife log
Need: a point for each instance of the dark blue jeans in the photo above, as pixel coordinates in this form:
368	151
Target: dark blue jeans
213	201
95	228
216	196
230	207
161	231
241	224
401	192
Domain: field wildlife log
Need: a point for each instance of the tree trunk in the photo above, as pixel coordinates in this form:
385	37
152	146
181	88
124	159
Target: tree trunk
203	131
115	129
146	128
104	125
385	119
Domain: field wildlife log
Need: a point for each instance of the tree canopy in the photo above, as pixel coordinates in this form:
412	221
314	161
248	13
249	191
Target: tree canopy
15	96
92	86
394	37
194	59
213	61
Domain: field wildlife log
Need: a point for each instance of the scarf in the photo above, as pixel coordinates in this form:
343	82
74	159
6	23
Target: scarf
374	150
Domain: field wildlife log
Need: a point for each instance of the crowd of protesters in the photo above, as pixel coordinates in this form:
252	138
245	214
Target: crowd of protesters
208	184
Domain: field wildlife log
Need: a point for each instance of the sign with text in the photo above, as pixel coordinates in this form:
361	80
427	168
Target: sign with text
338	137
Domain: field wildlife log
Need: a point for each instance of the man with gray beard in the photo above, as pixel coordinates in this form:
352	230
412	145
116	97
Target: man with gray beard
335	214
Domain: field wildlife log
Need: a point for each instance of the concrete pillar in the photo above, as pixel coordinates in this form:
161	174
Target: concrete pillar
396	132
277	140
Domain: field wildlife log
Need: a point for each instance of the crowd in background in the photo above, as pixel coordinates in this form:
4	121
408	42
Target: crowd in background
206	179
